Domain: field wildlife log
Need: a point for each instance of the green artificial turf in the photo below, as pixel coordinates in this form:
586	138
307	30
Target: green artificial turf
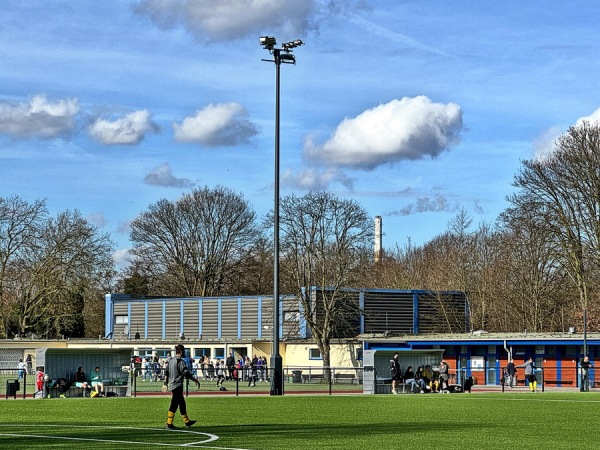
465	421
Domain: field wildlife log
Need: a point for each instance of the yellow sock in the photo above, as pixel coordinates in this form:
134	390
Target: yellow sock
535	385
170	416
186	419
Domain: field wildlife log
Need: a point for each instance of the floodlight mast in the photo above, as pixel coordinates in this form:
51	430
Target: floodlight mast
280	56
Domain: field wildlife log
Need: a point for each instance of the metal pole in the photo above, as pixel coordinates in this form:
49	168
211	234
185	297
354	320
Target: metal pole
276	360
585	350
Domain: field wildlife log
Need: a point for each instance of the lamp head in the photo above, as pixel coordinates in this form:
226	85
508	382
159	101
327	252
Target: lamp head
267	42
292	44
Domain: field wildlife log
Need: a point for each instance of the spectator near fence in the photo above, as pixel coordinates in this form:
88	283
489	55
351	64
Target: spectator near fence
396	372
530	374
230	361
585	369
444	376
21	368
29	363
511	371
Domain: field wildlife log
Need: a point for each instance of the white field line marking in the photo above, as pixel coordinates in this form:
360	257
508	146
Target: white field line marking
198	444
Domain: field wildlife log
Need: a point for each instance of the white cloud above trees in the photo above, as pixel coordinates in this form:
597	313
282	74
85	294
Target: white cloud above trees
405	129
38	118
220	125
163	176
127	130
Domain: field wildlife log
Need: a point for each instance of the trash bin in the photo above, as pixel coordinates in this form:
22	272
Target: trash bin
12	387
296	376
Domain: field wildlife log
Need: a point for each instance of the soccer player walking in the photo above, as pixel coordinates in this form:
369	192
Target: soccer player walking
175	372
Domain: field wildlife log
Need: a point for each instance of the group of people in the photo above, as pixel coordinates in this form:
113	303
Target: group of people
510	374
252	370
92	388
425	379
97	385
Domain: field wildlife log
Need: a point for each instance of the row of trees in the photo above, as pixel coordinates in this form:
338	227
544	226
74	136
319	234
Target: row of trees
536	268
51	268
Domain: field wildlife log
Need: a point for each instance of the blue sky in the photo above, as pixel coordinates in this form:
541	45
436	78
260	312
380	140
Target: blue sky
415	109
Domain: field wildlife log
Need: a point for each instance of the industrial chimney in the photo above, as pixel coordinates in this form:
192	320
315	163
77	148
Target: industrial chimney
377	248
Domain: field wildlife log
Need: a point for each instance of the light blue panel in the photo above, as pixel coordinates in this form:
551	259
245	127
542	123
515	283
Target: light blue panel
302	327
164	319
109	316
181	316
129	319
146	320
219	316
239	321
415	313
260	325
361	306
200	318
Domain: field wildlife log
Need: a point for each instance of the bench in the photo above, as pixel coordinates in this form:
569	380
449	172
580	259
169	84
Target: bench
345	378
558	381
320	378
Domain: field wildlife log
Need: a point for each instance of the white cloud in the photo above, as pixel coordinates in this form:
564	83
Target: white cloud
406	129
163	176
223	124
316	180
232	19
122	257
97	219
545	144
38	118
593	117
128	130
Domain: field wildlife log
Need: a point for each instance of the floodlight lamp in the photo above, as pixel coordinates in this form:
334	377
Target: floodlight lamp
267	42
292	44
287	58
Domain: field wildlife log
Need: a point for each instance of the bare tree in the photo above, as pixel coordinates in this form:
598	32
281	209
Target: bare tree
323	243
59	274
20	224
564	192
193	245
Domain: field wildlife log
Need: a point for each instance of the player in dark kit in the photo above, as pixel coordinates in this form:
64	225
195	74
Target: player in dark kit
175	373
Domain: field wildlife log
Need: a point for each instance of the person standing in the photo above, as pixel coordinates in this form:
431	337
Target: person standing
396	372
444	376
230	362
21	368
511	370
175	372
530	374
29	361
39	383
585	368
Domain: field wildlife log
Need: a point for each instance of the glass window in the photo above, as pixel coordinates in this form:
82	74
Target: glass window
121	320
291	316
570	350
479	350
164	352
314	353
551	350
539	349
520	350
203	351
219	353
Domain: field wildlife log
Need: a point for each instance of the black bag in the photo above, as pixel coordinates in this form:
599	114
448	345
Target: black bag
111	394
